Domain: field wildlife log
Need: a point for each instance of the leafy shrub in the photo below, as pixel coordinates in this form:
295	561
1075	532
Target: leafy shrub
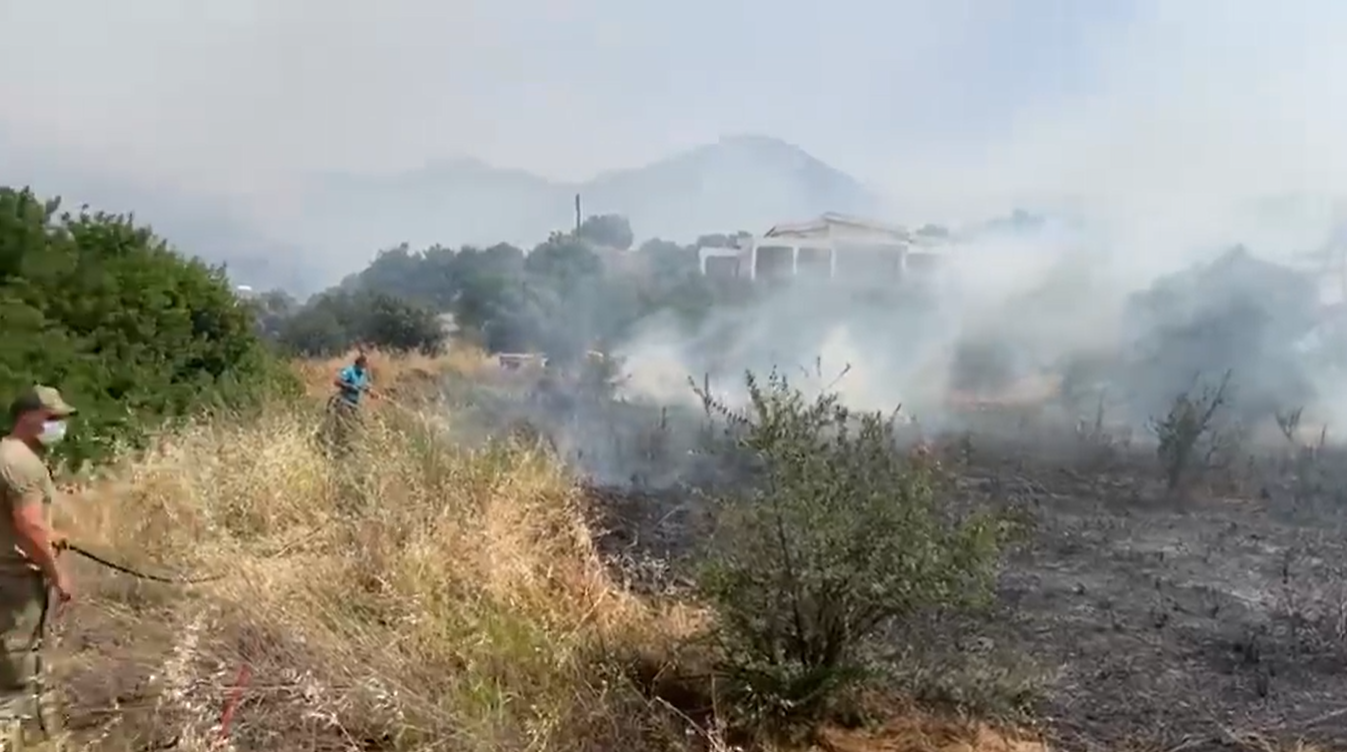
129	330
842	536
335	322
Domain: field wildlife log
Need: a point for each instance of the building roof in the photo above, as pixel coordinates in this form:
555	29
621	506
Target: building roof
832	224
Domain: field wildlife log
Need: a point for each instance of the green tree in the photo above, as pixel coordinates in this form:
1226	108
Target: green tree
336	321
491	301
397	324
559	298
129	329
430	277
563	261
273	308
666	260
610	230
322	327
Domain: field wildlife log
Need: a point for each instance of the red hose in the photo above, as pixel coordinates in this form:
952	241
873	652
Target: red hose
232	704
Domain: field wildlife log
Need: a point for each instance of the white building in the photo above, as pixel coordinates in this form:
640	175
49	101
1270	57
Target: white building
831	246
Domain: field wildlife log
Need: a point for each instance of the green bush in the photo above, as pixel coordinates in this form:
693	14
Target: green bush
129	330
335	322
841	536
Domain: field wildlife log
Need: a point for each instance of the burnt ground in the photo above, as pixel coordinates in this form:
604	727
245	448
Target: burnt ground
1157	622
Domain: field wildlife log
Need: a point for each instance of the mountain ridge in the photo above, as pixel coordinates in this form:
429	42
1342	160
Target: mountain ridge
343	219
738	182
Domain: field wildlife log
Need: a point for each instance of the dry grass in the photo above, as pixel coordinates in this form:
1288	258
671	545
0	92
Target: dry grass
915	732
413	597
399	373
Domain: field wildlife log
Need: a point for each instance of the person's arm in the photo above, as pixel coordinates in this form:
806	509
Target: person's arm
36	539
27	509
345	379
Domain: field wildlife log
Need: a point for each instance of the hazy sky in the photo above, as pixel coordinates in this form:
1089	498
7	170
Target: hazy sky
1147	100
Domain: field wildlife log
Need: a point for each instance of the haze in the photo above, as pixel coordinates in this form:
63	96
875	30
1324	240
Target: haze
295	139
240	91
1164	113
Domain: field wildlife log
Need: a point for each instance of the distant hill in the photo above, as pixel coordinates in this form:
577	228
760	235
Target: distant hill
747	182
743	182
197	224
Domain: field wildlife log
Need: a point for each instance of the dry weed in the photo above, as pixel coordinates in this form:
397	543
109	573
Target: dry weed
412	597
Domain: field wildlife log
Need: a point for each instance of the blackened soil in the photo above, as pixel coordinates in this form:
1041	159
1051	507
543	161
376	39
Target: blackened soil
1197	624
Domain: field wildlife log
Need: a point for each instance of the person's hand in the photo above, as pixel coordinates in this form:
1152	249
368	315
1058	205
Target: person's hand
59	541
63	589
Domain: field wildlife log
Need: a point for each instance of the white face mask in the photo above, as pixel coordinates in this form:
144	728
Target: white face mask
53	431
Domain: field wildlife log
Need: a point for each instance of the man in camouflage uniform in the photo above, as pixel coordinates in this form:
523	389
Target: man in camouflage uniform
30	576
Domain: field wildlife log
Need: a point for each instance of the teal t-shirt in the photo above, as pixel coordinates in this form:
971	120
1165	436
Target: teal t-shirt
354	382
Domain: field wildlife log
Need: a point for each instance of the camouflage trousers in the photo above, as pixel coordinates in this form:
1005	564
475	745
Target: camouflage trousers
28	713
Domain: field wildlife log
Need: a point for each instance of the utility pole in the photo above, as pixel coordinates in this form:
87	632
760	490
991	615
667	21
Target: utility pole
577	212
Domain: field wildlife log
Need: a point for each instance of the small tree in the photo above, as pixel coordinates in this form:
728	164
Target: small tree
841	536
612	230
1189	431
1304	460
396	324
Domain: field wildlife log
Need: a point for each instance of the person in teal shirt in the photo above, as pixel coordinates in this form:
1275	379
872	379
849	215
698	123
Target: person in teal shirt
344	406
353	381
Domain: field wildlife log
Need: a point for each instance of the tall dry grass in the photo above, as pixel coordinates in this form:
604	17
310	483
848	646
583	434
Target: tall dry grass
413	596
398	373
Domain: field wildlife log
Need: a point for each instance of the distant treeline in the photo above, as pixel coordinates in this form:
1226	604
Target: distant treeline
575	291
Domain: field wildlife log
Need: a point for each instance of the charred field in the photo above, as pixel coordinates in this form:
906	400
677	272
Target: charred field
1205	619
1130	615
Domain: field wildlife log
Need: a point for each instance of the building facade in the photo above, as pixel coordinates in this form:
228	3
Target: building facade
832	246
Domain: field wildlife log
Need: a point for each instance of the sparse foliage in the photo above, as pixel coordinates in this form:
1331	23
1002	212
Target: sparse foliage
1289	423
1304	457
1189	430
842	536
1101	443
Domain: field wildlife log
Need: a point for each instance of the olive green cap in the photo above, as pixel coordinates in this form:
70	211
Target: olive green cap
41	398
